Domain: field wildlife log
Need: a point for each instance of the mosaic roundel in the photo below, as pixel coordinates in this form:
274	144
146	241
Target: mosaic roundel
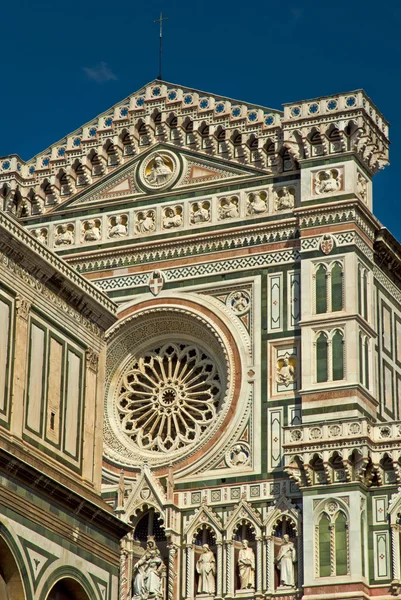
159	170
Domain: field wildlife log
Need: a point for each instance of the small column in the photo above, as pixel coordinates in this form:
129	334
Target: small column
23	309
172	573
230	567
189	571
220	570
259	562
269	564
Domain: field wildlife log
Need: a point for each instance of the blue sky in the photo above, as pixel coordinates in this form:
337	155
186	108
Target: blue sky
63	63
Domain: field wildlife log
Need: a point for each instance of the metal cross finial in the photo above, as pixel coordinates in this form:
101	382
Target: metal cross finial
160	20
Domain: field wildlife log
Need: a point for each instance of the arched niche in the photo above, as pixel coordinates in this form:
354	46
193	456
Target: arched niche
204	535
243	531
11	584
68	589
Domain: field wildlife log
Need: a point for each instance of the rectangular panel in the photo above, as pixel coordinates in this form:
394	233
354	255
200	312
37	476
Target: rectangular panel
379	509
381	555
275	302
398	340
388	387
72	404
275	423
294	415
398	396
294	299
54	391
387	333
4	353
36	379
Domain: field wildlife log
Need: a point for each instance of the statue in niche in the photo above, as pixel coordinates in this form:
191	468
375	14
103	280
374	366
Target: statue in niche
40	235
92	232
246	566
328	181
145	222
285	199
200	214
64	236
172	218
285	372
228	208
361	186
147	574
285	561
119	229
159	172
206	569
256	203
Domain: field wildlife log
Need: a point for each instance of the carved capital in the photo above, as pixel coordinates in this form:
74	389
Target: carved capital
92	360
23	307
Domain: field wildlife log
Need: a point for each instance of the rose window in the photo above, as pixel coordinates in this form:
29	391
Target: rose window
168	397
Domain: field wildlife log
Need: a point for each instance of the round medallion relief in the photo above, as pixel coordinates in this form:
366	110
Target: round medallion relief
159	170
172	382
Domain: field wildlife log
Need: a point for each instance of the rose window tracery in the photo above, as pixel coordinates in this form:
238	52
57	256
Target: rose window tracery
169	396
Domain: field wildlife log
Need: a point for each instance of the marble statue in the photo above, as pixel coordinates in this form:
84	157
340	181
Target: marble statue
285	200
40	235
285	373
145	223
206	568
200	214
285	560
64	236
327	181
228	209
171	218
246	566
239	457
147	574
92	233
256	204
119	229
159	173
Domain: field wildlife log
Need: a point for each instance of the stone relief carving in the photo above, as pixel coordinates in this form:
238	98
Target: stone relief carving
148	572
246	566
228	208
156	282
285	374
239	302
159	170
40	235
91	230
327	181
200	212
361	187
285	198
145	221
206	569
257	203
118	226
181	406
285	561
327	243
65	235
238	455
172	217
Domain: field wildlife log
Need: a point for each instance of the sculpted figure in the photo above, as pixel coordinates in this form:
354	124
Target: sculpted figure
206	568
239	456
286	200
92	233
228	209
285	373
40	236
171	219
286	559
239	302
119	229
147	573
64	236
246	566
328	181
200	214
256	204
159	173
145	223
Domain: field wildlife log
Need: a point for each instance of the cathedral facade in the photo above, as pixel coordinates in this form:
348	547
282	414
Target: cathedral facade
252	381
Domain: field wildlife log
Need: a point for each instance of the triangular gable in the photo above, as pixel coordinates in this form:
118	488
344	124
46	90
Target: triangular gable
243	511
203	516
123	183
283	508
148	491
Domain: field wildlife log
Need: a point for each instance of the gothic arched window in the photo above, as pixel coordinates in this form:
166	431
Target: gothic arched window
341	544
324	546
338	355
321	289
336	287
321	358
